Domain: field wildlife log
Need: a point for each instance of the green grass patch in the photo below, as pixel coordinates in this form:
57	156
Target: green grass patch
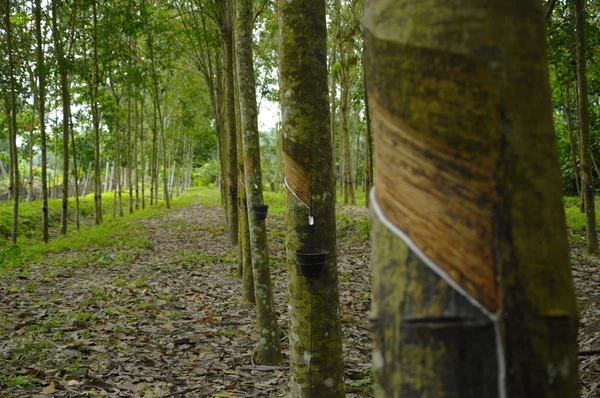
119	233
575	218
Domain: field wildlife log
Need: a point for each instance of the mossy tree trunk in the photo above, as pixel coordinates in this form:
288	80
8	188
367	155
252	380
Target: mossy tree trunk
316	364
244	252
41	68
66	115
230	152
142	153
12	122
136	175
269	348
368	160
472	292
572	144
584	132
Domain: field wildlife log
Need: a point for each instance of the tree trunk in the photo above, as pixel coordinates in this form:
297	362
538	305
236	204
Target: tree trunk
66	116
231	150
30	182
269	348
154	160
572	140
345	133
142	154
135	153
164	155
468	224
12	124
129	185
75	174
93	88
368	162
117	166
316	364
584	130
242	201
244	249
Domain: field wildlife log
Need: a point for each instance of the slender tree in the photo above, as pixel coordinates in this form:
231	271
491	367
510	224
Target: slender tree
316	365
269	348
587	189
229	100
472	291
66	114
12	122
41	76
572	145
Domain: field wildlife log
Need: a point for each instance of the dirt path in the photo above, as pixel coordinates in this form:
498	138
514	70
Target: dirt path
152	322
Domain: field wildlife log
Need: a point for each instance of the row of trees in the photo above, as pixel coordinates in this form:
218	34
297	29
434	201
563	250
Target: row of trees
124	102
138	85
149	78
574	41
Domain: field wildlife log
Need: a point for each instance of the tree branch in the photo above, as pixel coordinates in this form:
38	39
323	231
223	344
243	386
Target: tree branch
549	9
262	8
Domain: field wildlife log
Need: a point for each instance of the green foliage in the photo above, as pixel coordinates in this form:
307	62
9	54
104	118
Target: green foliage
120	234
562	60
348	226
575	218
206	175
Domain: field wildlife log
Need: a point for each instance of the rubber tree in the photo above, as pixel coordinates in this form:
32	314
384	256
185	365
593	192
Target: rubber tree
63	70
472	291
228	98
94	82
244	252
12	122
41	68
316	364
584	130
269	348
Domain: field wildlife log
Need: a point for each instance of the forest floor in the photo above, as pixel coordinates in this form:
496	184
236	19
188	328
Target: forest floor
150	307
163	316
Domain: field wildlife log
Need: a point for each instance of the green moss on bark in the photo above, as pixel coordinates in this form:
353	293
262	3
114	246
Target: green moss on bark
316	364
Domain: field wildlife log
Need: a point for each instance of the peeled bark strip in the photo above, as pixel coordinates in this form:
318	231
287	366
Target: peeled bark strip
316	364
467	169
269	348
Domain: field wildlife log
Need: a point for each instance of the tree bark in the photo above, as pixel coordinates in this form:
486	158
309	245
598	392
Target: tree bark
244	250
129	164
269	348
93	87
368	162
316	364
30	150
66	116
584	131
231	152
135	152
468	226
142	153
12	124
75	174
572	144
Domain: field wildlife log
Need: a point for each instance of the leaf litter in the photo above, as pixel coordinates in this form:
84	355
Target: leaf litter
163	321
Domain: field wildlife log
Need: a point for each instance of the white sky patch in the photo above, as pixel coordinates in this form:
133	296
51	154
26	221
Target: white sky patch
267	115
